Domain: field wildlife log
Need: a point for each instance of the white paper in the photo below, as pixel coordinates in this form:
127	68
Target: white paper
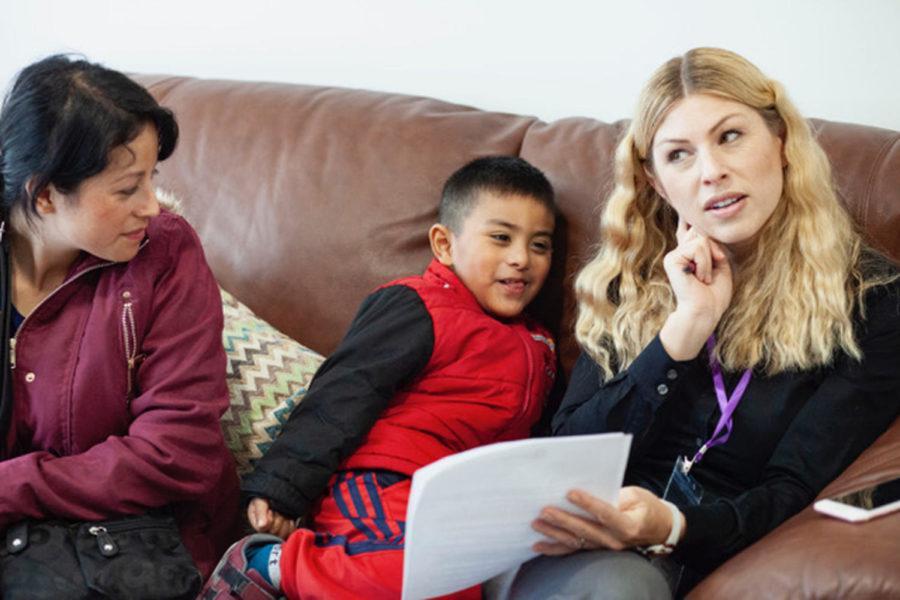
470	514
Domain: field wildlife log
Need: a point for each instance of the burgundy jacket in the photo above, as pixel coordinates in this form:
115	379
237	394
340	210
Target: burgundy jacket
118	381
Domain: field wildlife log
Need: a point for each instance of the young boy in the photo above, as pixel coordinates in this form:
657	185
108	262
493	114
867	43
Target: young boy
432	365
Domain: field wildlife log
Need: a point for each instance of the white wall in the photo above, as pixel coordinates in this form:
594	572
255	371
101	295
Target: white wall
839	59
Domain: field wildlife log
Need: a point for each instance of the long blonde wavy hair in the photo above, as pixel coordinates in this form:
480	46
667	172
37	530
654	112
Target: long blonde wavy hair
794	298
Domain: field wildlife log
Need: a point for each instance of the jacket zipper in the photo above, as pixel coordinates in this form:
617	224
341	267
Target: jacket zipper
129	336
14	338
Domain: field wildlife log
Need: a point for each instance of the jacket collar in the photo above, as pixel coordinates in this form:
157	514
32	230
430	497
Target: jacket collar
87	261
445	276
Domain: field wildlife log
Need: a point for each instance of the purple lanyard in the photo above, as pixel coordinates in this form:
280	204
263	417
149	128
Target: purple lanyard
727	405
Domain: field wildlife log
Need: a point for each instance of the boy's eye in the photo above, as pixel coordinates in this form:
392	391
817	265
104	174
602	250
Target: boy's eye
730	136
500	237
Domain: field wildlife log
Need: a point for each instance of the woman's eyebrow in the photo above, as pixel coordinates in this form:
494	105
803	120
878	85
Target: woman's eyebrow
129	175
711	129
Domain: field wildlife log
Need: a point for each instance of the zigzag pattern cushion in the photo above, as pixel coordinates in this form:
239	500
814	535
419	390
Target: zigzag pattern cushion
268	373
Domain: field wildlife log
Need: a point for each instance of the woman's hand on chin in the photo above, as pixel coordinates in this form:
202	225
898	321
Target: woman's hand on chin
700	275
640	519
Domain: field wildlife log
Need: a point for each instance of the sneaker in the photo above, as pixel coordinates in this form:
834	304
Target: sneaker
232	579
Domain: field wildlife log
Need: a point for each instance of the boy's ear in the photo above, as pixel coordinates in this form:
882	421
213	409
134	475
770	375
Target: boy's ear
441	239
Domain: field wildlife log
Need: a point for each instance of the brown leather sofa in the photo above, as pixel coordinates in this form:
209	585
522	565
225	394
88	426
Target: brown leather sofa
308	197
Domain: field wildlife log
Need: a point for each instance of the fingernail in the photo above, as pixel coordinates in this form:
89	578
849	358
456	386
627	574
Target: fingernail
574	496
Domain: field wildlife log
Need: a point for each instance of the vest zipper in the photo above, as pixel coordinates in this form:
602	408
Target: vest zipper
529	352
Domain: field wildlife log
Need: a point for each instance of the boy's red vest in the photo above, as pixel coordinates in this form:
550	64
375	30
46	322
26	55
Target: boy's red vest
487	381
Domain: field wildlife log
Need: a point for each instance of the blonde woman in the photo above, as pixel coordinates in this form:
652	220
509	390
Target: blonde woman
733	321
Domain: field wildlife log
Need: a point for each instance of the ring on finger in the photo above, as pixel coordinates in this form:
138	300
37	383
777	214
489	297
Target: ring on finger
582	543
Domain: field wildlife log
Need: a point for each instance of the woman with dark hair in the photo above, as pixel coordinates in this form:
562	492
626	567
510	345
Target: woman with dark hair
116	370
733	321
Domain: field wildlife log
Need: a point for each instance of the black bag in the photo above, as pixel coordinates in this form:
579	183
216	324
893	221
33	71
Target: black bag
131	558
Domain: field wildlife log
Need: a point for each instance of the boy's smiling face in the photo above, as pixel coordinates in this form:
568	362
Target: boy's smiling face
501	251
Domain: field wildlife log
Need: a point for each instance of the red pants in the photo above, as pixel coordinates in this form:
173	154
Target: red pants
353	548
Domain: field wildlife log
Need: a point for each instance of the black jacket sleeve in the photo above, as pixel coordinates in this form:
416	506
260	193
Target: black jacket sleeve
849	410
628	402
389	342
850	405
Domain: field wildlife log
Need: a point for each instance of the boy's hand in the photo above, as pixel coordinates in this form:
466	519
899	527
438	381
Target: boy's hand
265	520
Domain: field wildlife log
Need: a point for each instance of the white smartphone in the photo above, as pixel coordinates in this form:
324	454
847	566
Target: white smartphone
863	504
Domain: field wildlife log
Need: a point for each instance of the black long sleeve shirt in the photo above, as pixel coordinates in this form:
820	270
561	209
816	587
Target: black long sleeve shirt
389	342
792	433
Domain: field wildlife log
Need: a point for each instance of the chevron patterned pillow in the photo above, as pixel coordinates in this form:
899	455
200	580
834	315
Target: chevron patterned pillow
267	374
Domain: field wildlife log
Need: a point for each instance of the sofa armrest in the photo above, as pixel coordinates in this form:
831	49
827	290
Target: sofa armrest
815	556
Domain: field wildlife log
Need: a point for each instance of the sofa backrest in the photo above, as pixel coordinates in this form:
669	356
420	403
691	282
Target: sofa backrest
306	198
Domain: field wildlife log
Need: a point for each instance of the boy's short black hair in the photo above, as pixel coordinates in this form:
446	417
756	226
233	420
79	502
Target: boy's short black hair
498	174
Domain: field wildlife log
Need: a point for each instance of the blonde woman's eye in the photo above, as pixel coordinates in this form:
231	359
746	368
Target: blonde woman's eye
676	155
730	135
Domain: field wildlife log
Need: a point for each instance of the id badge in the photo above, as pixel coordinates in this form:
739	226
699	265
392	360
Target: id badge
682	489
